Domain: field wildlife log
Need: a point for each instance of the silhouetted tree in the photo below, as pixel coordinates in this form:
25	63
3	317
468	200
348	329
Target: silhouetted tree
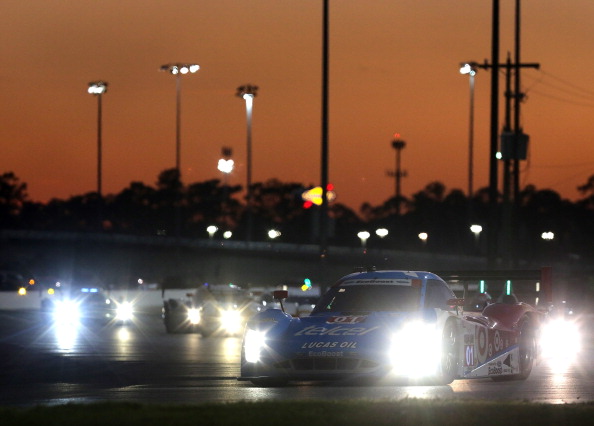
13	195
135	210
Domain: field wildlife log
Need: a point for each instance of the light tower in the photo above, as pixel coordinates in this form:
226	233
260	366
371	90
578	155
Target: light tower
178	70
248	93
98	88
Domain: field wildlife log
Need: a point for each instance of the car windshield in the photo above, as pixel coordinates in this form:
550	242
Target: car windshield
94	299
238	298
358	298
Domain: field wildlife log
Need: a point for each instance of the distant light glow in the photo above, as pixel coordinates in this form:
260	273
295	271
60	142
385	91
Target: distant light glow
225	166
97	87
274	233
363	235
314	195
381	232
180	68
468	69
211	230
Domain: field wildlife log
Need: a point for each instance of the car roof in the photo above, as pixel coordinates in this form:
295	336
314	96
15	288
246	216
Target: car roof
388	277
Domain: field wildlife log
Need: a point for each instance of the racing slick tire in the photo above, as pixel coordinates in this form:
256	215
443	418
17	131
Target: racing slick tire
527	350
171	325
448	368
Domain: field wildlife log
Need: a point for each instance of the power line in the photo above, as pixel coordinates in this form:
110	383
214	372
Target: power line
566	88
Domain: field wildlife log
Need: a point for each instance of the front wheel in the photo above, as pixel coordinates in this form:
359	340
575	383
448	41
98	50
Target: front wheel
448	368
527	350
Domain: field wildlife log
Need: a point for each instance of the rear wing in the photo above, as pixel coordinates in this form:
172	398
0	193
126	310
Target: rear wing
534	285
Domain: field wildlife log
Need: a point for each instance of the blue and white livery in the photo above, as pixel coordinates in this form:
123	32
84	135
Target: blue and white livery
390	325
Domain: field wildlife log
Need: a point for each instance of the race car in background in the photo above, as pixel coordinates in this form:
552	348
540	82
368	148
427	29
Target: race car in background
85	304
221	309
401	325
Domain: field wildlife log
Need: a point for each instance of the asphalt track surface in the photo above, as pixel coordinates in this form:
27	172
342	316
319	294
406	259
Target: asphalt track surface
41	364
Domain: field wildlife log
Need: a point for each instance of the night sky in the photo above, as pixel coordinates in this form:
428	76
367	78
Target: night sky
393	68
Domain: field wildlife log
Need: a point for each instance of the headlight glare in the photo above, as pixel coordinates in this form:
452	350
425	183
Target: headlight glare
124	311
66	311
415	349
194	316
253	344
560	339
231	320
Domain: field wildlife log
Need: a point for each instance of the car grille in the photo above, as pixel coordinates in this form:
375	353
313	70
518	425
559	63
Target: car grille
326	363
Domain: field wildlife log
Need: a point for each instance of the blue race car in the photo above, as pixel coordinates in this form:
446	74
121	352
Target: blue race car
391	325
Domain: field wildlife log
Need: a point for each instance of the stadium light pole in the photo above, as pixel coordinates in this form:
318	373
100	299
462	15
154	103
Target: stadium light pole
470	68
98	88
178	70
248	93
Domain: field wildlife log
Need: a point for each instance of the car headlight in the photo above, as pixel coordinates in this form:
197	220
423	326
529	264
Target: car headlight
231	321
253	344
124	311
194	316
560	339
415	349
66	311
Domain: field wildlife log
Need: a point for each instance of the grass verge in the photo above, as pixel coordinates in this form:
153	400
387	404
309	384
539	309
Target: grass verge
415	412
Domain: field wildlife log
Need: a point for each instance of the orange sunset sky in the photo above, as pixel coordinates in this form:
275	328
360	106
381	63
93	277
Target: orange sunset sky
393	68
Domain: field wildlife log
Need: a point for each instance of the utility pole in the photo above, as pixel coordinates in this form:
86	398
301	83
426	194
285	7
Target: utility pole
513	147
492	230
324	139
513	143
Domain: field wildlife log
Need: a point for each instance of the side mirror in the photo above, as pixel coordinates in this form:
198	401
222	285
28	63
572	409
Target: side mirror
280	294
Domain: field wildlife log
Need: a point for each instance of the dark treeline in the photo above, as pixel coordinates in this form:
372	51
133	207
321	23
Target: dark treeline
171	208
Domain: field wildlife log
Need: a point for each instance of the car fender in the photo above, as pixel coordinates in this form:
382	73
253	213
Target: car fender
273	321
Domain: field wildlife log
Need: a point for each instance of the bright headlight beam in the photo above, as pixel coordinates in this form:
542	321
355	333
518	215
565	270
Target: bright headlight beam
253	344
124	311
66	311
560	339
194	316
415	349
231	321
